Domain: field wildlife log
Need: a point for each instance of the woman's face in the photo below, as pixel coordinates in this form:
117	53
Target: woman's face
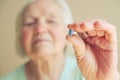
43	31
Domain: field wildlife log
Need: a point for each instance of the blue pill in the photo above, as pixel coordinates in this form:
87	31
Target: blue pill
70	32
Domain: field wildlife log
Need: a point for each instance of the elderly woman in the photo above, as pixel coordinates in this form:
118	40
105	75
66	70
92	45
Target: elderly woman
43	33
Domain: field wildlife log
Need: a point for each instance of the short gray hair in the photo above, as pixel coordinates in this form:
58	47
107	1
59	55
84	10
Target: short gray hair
66	13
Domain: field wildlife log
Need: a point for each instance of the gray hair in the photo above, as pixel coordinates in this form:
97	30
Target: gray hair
66	13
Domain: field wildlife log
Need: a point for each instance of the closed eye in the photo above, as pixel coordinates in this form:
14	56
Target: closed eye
30	23
52	21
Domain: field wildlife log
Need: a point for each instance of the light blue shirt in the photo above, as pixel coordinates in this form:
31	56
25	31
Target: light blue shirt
70	72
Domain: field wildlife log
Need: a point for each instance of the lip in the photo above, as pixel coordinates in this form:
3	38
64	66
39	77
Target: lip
39	41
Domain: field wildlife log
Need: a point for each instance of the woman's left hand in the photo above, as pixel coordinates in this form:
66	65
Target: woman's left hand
95	49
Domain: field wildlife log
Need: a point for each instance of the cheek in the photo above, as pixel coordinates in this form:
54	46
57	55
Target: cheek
59	35
24	36
26	39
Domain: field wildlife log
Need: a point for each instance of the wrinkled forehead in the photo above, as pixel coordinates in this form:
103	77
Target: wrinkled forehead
43	6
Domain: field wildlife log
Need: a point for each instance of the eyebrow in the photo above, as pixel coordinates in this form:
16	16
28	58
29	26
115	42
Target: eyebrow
27	16
50	15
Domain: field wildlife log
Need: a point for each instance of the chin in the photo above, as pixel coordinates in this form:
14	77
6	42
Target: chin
44	51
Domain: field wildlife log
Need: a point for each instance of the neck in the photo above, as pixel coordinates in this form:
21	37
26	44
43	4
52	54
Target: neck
46	69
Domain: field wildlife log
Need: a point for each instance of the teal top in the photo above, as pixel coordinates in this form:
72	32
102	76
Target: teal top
70	72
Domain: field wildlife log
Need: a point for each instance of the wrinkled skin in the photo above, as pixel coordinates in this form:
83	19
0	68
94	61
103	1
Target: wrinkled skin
95	49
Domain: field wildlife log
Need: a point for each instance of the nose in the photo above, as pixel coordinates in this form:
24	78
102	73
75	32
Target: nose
40	27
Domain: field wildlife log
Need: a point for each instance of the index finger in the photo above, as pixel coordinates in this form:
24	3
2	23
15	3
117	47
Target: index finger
81	27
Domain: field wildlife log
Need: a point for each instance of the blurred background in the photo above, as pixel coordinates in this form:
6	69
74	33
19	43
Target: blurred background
81	10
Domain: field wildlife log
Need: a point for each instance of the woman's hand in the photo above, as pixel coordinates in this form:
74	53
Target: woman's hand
95	49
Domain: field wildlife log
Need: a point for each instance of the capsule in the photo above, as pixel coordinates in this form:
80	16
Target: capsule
71	32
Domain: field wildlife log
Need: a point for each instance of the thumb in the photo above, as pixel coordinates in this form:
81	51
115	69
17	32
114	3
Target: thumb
78	44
